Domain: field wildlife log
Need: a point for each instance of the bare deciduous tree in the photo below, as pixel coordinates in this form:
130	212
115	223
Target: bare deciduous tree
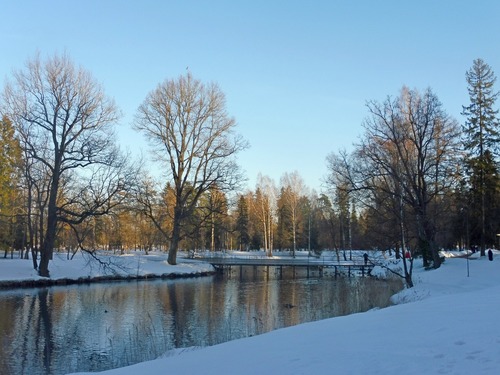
187	123
294	182
265	206
413	141
65	121
155	205
408	154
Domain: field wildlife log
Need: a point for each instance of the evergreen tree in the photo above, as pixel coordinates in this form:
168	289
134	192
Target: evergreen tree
483	184
284	235
327	223
242	222
481	136
10	157
342	201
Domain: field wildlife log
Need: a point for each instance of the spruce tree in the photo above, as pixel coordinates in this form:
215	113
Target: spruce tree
242	223
481	136
10	161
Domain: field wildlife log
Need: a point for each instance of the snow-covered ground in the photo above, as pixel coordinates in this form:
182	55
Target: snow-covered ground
449	323
83	266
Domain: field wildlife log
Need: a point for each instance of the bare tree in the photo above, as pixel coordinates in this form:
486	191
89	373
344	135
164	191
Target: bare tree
37	183
406	160
294	182
188	125
65	121
410	146
265	207
216	208
155	204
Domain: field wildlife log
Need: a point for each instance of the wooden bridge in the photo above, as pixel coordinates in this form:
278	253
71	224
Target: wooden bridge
309	263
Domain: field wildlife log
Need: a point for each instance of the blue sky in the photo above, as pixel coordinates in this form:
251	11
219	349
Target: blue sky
296	74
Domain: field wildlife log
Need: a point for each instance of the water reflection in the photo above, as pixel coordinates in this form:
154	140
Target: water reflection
100	326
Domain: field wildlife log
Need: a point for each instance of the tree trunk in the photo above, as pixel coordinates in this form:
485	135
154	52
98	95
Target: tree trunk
34	257
174	245
483	216
408	277
264	223
431	243
43	268
176	236
294	229
47	247
435	255
408	280
427	244
212	234
270	235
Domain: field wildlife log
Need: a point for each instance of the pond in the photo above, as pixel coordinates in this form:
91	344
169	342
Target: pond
99	326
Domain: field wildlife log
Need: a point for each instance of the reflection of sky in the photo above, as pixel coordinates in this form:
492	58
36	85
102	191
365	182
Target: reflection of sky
98	326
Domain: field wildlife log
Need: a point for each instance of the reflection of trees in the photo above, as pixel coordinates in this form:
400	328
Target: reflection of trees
96	327
45	323
225	305
27	326
8	310
290	303
178	315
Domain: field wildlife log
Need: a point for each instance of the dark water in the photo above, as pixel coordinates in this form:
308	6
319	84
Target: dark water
96	327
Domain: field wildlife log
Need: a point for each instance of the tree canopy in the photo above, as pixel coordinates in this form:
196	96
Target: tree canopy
187	123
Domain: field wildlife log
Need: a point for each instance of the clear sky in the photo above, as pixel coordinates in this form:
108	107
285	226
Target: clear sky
297	74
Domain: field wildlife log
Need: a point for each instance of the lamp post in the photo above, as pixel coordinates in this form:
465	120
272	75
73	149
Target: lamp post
467	262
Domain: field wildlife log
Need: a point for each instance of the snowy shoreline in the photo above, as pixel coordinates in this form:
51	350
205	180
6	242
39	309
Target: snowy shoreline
46	282
83	269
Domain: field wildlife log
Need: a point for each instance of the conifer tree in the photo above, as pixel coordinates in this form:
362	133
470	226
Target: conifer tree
481	135
242	223
10	154
10	157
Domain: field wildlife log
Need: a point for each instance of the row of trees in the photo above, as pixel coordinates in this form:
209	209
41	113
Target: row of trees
70	172
416	181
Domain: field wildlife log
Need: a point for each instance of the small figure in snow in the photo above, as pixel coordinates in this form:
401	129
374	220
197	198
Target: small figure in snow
490	254
365	256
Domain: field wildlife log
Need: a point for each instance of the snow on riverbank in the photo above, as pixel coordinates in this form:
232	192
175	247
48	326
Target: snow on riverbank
84	267
448	323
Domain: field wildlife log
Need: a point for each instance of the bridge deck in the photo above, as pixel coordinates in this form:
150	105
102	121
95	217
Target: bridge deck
310	262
